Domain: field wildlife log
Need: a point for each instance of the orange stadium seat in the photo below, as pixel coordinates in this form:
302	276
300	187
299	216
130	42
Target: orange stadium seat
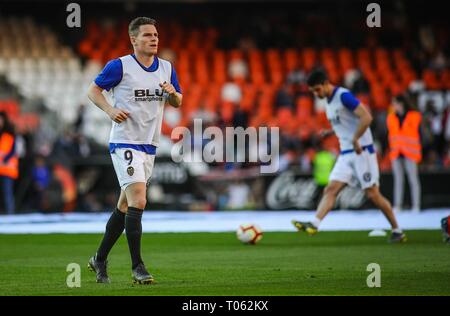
211	103
28	122
285	116
304	108
379	98
305	128
248	98
331	143
264	110
235	54
445	79
291	60
363	54
346	59
364	99
11	108
227	111
322	121
219	67
430	79
309	58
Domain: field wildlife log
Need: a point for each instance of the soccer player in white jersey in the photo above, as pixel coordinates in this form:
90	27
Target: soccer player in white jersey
141	85
357	164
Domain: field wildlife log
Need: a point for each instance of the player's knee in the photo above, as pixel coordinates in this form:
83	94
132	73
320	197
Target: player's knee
372	193
122	206
138	203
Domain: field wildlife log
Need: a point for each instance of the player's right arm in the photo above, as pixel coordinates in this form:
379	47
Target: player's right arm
110	77
365	119
95	94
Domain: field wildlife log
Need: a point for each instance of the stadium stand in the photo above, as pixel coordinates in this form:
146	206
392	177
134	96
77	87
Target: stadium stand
43	68
205	69
254	79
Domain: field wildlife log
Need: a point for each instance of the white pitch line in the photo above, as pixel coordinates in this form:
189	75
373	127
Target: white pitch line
219	221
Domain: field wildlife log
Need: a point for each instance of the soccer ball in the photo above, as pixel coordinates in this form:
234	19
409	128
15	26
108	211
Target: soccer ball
249	233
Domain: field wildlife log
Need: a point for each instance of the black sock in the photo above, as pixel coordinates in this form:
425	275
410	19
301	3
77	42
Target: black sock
133	229
114	229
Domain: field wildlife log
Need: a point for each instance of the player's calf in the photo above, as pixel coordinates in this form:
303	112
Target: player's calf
374	194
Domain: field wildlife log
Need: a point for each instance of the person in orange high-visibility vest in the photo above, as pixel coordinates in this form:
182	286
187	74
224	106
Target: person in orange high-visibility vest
405	150
9	163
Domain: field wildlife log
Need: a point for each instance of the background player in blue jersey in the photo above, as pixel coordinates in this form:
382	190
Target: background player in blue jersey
357	163
141	84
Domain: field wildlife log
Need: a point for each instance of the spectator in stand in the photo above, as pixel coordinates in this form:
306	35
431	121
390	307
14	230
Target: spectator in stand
297	79
432	161
238	70
41	177
240	117
446	158
81	118
427	133
9	163
81	145
445	133
356	82
285	97
231	92
405	150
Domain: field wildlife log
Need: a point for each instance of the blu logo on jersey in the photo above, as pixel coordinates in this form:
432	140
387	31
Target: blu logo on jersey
146	95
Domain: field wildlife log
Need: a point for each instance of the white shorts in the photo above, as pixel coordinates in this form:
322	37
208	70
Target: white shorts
132	166
357	170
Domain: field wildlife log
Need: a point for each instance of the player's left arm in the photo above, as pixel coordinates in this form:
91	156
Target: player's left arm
173	89
365	118
175	98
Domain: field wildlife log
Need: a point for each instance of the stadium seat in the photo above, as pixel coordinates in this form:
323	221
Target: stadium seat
304	108
431	80
309	58
292	60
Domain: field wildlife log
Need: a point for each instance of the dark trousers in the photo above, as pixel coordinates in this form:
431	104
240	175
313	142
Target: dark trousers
7	191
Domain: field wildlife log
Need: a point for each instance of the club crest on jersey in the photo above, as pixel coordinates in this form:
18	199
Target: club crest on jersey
130	171
367	176
335	119
147	95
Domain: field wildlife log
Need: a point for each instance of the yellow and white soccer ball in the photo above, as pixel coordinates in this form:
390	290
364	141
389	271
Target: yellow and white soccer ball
249	233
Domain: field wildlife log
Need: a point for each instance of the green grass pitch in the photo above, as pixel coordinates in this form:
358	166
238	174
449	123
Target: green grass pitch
330	263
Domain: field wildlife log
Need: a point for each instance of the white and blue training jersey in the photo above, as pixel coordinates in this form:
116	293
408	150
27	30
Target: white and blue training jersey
339	110
135	88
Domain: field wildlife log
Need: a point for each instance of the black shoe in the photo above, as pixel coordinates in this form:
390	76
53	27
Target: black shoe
398	238
99	268
141	276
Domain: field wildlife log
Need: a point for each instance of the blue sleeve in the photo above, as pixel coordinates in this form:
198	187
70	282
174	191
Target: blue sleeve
111	75
174	80
349	101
